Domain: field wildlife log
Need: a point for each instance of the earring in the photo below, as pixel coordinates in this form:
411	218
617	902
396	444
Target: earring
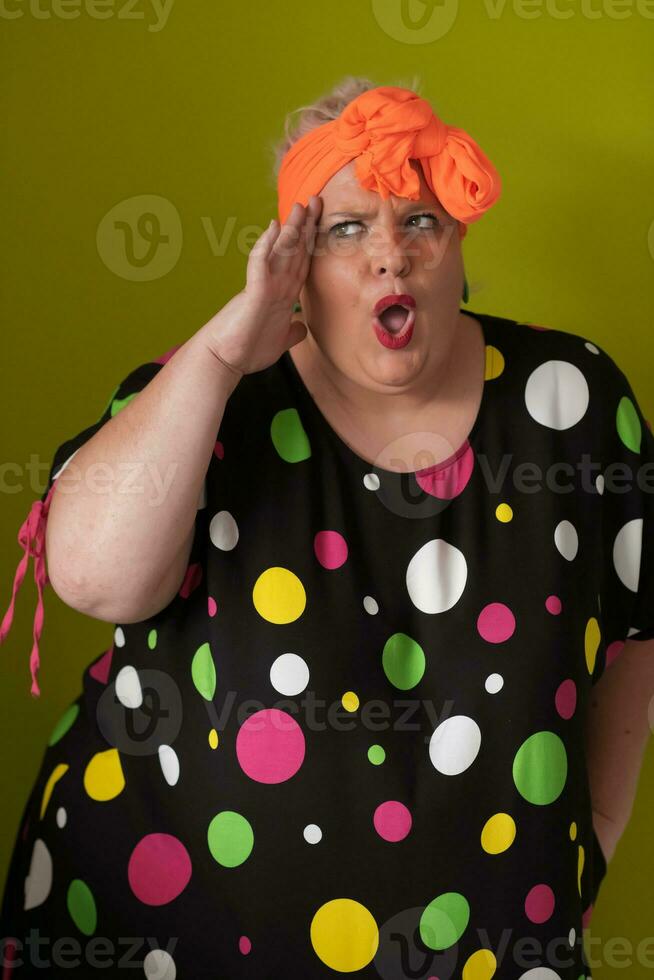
297	308
466	292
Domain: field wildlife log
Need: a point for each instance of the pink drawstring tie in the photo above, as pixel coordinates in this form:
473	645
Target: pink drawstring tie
31	538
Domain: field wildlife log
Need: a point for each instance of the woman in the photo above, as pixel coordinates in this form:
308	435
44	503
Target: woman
341	725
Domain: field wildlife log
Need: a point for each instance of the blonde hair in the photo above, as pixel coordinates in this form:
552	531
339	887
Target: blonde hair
325	109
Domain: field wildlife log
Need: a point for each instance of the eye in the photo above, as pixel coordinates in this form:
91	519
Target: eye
427	215
344	224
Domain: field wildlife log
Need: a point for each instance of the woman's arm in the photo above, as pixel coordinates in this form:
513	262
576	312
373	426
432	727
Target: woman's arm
117	549
620	713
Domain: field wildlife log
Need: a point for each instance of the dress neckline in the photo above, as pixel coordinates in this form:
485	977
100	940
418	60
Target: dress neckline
346	451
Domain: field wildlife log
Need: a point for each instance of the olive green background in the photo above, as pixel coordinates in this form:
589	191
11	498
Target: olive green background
100	110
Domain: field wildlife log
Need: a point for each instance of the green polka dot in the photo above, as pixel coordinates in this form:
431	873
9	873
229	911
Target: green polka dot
403	660
64	723
152	639
118	404
203	672
81	906
230	838
376	755
288	436
540	768
109	403
444	920
628	424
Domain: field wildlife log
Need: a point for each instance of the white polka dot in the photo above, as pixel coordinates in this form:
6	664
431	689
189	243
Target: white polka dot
370	605
566	539
119	637
556	394
436	576
128	687
39	878
289	674
540	973
494	683
371	481
223	531
159	965
312	833
61	817
591	347
572	936
63	466
599	483
454	745
169	764
626	553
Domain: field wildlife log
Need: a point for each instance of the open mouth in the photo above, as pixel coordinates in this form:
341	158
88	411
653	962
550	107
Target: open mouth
394	318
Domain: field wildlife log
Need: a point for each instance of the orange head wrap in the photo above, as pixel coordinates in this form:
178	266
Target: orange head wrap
384	128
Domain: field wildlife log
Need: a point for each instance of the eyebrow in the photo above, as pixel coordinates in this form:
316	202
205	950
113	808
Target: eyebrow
355	213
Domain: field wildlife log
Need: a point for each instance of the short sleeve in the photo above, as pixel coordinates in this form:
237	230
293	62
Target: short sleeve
31	536
627	487
128	388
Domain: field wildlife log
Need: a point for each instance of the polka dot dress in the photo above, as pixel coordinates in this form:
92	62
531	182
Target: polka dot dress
353	743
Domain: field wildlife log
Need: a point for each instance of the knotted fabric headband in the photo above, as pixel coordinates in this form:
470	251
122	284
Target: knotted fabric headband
383	129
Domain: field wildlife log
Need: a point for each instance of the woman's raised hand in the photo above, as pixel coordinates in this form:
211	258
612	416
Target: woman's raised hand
256	326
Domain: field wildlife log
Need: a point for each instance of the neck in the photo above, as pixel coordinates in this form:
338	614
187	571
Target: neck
437	380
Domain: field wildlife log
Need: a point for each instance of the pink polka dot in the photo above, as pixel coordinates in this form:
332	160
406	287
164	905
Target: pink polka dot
219	450
587	916
159	869
167	356
270	746
539	903
192	579
244	945
330	548
612	651
392	820
212	606
100	670
496	622
565	698
553	605
448	478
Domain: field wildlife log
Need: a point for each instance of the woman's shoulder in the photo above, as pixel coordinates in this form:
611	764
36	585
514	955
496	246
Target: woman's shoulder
547	342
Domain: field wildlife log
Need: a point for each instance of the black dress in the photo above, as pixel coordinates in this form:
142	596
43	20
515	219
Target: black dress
354	741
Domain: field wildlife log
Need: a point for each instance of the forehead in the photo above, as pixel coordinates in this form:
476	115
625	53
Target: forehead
344	190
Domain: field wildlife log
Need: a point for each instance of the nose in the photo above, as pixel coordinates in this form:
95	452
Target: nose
389	253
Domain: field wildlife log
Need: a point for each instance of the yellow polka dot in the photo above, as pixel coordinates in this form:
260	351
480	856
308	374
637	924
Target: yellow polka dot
591	643
580	865
53	778
278	595
504	513
350	701
480	966
344	935
498	833
103	776
213	738
573	830
494	362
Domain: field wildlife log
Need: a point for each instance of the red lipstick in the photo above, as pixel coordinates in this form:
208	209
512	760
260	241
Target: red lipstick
394	339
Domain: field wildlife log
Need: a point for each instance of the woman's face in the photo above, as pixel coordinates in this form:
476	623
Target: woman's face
374	248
